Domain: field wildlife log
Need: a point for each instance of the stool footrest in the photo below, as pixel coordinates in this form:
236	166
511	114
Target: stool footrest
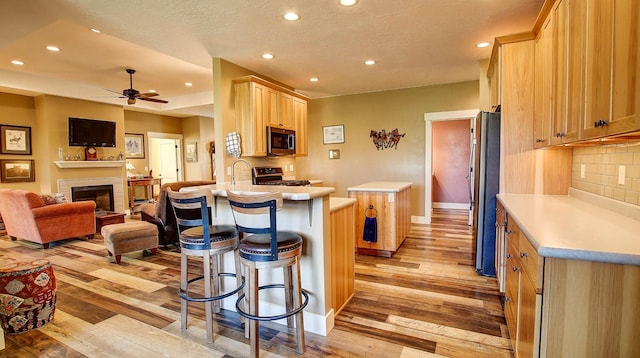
185	296
246	315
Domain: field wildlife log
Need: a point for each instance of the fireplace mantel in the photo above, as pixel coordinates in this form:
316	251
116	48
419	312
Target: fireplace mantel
66	164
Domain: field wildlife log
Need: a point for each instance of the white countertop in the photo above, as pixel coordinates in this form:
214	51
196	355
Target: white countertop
288	192
572	228
384	186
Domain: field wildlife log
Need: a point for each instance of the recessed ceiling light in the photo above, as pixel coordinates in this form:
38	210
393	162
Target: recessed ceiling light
369	62
53	48
483	44
313	79
267	56
188	84
17	62
348	2
291	16
152	91
96	31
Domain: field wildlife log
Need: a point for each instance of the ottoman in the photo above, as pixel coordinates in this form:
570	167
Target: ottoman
130	236
27	295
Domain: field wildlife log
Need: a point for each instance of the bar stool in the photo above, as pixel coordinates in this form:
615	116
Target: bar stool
198	238
262	246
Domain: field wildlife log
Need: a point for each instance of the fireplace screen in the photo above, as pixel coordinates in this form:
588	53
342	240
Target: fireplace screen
101	194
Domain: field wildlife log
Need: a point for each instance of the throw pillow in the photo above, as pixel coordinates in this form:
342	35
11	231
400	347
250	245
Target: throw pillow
57	198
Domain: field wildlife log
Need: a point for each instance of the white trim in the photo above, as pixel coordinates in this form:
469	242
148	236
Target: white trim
428	155
457	206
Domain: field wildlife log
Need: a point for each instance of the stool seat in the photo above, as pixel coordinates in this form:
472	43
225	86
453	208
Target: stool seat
193	238
257	247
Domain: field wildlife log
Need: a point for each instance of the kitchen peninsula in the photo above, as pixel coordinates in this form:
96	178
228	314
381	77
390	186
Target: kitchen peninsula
306	210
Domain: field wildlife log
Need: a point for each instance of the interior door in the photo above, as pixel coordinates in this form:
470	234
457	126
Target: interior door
168	161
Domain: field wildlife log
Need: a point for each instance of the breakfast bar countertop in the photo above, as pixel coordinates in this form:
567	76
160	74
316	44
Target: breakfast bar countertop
572	228
288	192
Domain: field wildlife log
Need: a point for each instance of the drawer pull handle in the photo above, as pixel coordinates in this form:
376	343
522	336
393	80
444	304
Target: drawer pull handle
509	256
509	231
507	299
515	269
524	254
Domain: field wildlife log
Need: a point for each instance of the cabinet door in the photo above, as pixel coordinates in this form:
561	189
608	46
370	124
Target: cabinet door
527	319
249	118
300	115
260	133
598	67
542	104
270	103
576	42
285	111
624	71
558	71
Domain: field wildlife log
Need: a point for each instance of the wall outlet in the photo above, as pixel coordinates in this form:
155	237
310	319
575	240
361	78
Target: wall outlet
621	174
582	171
228	170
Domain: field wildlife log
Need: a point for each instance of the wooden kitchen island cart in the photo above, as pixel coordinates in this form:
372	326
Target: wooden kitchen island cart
383	209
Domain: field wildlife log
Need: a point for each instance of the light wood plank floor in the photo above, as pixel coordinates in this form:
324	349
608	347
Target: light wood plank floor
425	301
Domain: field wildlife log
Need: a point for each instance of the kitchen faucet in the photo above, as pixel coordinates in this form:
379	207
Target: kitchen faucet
233	165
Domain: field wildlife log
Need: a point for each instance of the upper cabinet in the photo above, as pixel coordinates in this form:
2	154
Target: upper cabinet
258	104
587	58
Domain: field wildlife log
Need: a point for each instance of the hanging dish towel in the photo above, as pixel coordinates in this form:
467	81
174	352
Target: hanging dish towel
370	233
233	144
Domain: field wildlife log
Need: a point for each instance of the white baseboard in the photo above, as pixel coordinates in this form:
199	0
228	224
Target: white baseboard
460	206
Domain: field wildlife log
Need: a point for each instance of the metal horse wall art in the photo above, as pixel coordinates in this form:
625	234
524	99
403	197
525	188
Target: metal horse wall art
383	140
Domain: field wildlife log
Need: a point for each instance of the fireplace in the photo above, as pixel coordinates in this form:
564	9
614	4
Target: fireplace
101	194
116	202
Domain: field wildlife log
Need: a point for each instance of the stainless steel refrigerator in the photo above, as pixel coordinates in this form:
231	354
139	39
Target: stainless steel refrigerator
484	169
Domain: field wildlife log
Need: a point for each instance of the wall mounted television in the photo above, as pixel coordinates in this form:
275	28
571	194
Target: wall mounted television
91	133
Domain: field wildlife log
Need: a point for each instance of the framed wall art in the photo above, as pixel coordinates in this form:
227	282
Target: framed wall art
134	145
16	170
333	134
15	139
192	153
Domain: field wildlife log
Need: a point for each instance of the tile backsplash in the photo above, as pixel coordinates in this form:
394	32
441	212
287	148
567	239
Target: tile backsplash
602	171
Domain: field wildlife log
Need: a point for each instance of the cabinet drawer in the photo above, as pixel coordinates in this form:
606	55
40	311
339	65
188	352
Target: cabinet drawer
530	261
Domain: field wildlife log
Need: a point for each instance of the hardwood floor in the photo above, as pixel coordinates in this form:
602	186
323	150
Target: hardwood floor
425	301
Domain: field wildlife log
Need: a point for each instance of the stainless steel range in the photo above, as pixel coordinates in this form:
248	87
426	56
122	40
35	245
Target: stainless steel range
273	176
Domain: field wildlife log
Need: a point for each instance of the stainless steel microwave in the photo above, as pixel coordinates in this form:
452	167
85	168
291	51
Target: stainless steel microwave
280	141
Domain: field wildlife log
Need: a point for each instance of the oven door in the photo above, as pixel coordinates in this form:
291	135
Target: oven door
280	141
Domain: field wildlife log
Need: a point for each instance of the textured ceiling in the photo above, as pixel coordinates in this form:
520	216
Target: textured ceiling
168	42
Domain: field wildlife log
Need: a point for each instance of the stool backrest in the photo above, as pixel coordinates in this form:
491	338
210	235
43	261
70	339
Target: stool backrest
256	214
185	202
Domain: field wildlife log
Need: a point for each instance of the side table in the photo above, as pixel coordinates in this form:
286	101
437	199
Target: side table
108	218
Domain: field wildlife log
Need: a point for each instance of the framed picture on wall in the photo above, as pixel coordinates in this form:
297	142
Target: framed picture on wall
134	145
191	152
333	134
16	170
15	139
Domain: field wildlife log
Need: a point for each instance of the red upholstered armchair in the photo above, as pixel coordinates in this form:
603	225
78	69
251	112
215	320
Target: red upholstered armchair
27	216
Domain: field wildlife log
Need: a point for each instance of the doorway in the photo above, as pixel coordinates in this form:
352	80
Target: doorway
428	147
165	153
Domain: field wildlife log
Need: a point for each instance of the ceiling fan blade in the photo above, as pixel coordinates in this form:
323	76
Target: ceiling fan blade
147	95
153	100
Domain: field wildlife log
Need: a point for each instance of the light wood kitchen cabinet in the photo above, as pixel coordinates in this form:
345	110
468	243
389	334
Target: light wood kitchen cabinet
258	104
249	100
300	116
390	204
558	307
612	84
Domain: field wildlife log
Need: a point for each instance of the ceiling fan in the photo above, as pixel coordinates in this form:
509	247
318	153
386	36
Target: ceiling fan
132	94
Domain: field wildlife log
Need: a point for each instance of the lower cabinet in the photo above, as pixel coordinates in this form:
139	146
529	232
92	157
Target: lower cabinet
558	307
